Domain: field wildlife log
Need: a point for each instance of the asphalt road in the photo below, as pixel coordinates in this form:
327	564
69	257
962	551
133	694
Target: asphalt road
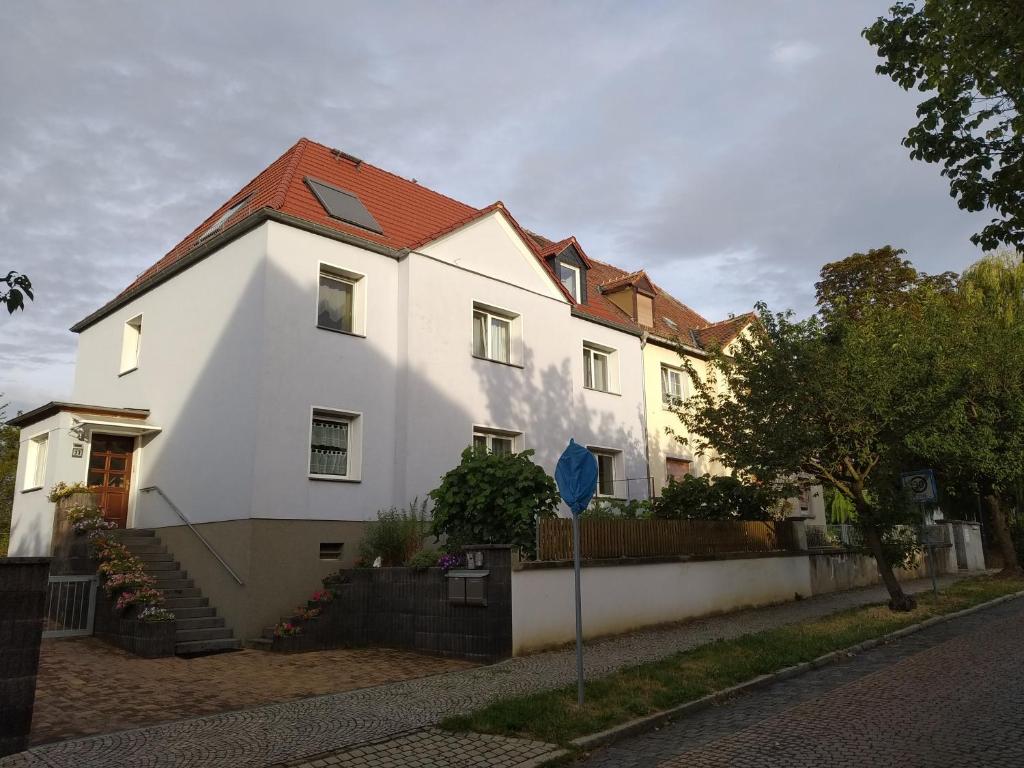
951	695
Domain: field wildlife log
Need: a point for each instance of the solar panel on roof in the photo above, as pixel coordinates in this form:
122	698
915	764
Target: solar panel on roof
343	205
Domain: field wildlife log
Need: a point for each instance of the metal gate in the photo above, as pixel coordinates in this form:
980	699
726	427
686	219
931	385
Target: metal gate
70	606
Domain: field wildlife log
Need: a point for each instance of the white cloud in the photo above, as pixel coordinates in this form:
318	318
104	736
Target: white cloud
794	54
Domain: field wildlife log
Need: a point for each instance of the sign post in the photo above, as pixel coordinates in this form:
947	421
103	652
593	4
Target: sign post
576	476
924	490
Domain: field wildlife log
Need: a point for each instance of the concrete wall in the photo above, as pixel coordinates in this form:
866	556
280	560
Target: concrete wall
543	612
22	606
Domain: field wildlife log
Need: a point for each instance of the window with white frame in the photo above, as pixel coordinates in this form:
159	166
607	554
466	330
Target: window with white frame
334	445
570	277
495	334
340	300
607	471
600	368
35	468
671	385
494	440
131	344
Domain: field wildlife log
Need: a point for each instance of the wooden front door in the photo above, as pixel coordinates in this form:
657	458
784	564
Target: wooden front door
110	472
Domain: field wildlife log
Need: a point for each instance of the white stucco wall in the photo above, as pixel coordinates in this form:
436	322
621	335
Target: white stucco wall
202	342
543	612
32	515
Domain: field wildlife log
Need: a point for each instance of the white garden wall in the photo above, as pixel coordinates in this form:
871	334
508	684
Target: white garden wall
543	612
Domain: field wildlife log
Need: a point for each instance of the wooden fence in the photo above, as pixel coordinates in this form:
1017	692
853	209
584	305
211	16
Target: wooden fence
659	538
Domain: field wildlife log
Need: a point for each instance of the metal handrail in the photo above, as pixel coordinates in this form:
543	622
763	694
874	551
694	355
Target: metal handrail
192	528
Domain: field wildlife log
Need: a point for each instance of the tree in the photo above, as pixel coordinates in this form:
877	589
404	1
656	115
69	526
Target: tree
18	287
880	276
831	403
493	498
969	55
978	438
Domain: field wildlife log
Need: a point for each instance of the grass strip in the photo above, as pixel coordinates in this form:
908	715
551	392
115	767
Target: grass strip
553	716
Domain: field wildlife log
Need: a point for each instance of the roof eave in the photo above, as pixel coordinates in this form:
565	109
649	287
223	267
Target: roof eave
221	239
56	406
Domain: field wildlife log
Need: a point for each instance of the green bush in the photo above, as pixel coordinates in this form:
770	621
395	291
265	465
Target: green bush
425	558
619	509
722	497
396	534
493	498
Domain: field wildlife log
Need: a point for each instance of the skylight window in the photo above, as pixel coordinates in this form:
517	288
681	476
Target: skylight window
670	323
218	225
343	206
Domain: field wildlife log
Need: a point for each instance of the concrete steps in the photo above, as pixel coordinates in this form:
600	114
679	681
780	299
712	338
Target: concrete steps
199	629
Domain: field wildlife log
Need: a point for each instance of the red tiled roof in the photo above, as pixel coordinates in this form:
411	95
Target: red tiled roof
411	216
721	333
407	212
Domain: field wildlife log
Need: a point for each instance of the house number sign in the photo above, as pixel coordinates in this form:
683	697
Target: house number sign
77	451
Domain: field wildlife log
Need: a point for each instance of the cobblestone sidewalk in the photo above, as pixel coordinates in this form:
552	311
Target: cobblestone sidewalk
289	731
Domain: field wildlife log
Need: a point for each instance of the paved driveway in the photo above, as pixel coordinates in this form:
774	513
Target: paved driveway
952	695
86	686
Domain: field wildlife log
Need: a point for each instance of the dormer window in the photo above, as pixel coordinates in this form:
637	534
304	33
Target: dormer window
570	277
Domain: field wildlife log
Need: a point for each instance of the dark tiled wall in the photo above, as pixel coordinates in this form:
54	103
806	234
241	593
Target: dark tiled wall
143	638
22	605
409	608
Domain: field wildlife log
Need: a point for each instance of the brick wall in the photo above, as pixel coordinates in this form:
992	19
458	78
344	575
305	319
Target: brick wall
409	608
23	583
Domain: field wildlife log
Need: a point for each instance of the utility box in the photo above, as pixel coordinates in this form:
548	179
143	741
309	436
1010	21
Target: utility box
467	587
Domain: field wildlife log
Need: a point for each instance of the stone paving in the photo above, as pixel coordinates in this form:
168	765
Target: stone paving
311	726
87	687
950	695
433	748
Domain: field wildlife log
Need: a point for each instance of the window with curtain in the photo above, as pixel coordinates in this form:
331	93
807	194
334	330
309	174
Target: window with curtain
335	303
502	443
329	445
671	385
570	277
595	369
492	336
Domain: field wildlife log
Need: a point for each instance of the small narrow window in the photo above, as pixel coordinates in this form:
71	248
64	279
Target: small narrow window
606	479
492	335
334	304
331	550
570	277
35	469
495	441
671	385
131	344
330	445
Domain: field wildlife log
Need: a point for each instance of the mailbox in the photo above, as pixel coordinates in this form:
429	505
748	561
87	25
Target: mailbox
467	587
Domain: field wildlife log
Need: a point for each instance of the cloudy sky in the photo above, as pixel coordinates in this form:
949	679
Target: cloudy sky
730	148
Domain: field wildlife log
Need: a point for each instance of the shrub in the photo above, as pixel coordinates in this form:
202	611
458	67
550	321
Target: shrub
718	498
619	509
395	535
62	490
493	498
425	558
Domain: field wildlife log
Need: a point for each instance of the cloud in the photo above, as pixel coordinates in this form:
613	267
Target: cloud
696	141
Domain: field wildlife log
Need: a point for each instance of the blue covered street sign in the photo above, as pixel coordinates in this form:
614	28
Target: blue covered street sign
576	476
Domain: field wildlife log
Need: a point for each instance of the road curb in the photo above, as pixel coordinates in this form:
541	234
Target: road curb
648	722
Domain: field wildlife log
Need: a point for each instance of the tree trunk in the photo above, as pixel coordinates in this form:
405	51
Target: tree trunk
898	599
1001	534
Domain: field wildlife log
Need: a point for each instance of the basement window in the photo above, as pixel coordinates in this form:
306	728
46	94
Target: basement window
331	550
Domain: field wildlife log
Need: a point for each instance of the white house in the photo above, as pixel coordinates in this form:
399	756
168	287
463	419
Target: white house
324	346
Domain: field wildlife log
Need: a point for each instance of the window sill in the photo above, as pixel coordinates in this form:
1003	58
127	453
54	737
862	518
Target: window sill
343	333
129	370
334	478
499	362
602	391
33	488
